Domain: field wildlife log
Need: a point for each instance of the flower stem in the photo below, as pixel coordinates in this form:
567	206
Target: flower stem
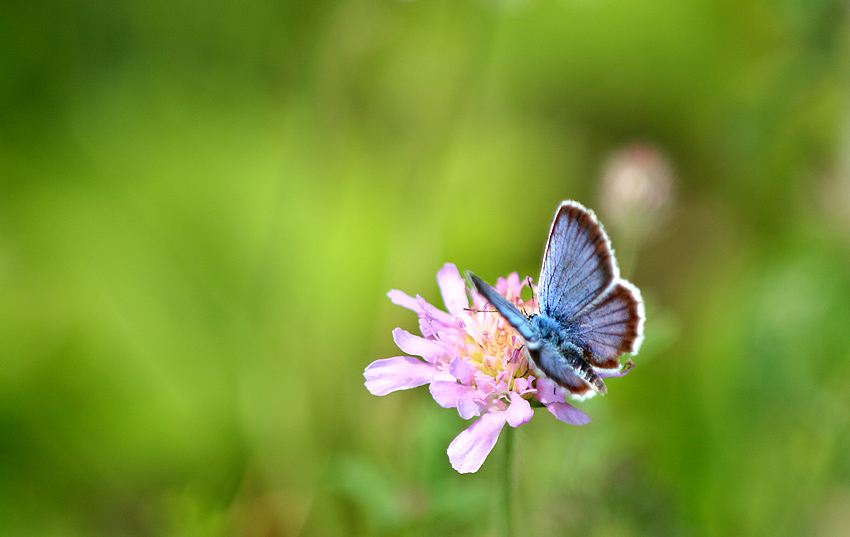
509	478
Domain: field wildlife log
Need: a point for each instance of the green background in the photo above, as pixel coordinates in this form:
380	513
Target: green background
203	204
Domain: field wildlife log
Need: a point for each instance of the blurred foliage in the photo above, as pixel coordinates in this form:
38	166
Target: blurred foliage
202	206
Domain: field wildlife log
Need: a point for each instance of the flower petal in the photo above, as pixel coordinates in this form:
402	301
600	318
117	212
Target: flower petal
446	393
433	312
548	391
463	371
453	289
400	298
421	307
522	385
554	397
568	413
514	286
398	373
418	346
470	448
502	286
519	411
471	404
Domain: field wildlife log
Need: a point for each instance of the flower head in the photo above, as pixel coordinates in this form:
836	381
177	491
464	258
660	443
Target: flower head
474	361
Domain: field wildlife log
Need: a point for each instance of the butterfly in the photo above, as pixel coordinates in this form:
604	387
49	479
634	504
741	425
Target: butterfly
588	317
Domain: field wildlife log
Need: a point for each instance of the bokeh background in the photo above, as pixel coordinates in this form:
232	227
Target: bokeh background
203	204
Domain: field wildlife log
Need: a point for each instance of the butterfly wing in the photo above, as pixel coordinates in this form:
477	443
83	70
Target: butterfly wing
578	264
507	308
567	369
611	326
580	286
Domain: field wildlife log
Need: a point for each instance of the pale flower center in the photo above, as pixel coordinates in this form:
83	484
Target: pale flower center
501	353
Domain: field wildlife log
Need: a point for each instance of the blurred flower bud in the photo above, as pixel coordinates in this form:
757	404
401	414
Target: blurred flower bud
636	191
834	198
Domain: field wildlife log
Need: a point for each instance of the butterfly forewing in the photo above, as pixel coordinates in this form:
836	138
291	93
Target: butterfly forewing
611	326
578	264
507	308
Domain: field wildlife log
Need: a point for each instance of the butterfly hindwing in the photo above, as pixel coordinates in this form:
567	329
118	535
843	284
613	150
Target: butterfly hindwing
611	326
578	264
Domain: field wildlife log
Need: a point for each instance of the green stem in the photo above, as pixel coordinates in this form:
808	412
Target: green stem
509	478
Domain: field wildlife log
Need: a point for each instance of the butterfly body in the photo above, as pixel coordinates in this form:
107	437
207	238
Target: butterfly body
557	348
550	329
588	317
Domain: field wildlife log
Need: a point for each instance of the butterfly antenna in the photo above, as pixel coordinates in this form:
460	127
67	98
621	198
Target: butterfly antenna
528	279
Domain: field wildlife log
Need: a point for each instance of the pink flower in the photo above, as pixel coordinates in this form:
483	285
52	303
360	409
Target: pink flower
475	362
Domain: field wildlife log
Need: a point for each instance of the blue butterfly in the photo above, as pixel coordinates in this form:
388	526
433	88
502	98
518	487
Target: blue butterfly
589	316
